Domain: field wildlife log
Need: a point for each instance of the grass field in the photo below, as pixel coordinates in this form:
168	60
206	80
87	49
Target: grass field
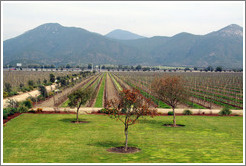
99	99
51	138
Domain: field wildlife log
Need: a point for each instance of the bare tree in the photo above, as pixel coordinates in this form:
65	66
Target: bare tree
128	109
170	89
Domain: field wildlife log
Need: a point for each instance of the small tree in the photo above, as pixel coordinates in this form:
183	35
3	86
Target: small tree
43	91
8	87
79	98
219	69
31	83
52	78
139	67
128	109
171	90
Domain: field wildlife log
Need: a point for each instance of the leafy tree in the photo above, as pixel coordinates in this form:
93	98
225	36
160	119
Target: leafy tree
171	90
128	109
89	66
195	68
139	67
38	81
186	69
68	66
219	69
45	81
52	78
31	83
210	68
79	98
43	91
21	85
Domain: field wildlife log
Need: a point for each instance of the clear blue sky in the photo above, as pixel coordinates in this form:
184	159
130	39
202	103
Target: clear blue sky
145	18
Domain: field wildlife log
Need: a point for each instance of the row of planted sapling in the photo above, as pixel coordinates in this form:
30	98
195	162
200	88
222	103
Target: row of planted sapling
65	86
154	102
63	100
158	102
201	86
95	88
16	82
146	90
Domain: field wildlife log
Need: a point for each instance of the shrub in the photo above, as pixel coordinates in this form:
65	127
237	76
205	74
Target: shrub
12	103
50	93
40	98
31	83
22	109
170	113
5	94
12	93
5	116
39	110
187	112
104	110
43	91
27	103
33	99
8	87
225	111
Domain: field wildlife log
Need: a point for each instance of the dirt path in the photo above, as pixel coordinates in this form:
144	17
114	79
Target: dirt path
110	89
23	96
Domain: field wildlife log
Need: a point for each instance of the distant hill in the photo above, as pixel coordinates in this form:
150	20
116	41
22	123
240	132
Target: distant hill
55	44
123	35
219	48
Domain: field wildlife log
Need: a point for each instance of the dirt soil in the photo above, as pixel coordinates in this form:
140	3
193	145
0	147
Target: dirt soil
122	150
110	90
23	96
11	117
206	104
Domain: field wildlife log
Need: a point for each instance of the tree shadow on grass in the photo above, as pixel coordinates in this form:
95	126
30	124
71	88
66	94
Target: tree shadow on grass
69	120
152	121
109	144
159	123
105	144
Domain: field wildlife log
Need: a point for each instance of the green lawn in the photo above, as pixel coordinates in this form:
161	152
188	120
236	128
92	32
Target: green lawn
99	99
51	138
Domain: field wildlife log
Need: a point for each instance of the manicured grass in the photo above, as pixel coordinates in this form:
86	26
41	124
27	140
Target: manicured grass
99	100
51	138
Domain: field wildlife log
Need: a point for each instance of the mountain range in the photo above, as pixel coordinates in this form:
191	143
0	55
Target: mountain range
53	43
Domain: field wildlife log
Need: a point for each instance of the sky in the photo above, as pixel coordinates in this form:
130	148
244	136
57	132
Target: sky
146	18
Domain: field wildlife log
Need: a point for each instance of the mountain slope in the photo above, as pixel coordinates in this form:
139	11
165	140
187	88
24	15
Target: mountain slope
54	44
123	35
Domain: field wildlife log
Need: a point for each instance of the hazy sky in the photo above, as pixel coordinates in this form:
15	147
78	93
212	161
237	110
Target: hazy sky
145	18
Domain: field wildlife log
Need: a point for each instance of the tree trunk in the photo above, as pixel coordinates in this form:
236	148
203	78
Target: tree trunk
174	118
126	134
77	115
